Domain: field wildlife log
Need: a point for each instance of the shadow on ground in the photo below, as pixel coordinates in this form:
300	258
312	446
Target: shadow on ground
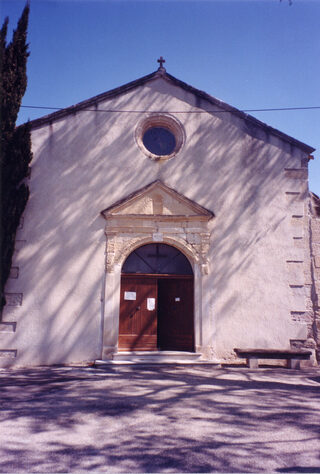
159	419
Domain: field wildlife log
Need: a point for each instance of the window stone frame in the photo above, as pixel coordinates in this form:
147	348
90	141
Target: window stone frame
165	121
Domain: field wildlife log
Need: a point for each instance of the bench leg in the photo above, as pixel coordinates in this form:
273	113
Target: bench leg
293	363
252	362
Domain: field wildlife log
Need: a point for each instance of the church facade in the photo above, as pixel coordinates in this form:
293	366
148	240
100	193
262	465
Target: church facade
162	219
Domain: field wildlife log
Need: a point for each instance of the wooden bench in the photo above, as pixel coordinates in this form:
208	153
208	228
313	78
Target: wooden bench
292	356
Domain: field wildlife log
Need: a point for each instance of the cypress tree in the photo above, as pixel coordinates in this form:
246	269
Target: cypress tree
15	142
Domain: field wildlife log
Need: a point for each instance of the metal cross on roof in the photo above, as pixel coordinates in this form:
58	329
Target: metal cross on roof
161	61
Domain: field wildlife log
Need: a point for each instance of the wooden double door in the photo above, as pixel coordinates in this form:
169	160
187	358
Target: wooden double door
156	313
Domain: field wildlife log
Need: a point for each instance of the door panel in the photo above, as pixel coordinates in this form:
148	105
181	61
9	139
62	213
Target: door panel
138	314
175	314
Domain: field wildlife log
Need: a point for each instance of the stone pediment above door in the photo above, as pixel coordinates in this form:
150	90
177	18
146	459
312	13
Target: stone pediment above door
157	199
156	213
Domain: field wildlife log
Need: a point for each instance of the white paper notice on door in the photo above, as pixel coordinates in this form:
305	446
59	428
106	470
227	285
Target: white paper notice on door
151	304
130	295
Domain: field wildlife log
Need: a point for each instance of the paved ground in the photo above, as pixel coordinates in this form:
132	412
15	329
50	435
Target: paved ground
159	419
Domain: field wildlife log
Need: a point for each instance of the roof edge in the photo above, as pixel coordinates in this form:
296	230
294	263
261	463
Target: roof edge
49	118
239	113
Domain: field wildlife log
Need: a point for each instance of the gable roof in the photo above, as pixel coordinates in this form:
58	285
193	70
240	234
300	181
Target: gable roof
161	72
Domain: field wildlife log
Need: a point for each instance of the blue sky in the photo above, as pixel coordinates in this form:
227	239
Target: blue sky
252	54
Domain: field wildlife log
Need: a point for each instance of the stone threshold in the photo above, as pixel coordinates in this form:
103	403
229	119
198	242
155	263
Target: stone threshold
156	357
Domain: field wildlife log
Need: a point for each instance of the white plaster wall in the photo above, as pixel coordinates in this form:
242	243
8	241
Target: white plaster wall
85	162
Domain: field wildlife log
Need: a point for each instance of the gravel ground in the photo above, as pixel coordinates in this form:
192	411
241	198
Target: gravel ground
159	419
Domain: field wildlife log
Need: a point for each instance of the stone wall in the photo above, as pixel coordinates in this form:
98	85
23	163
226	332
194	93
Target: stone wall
315	268
309	243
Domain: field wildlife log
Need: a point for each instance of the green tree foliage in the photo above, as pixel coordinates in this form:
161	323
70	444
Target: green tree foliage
15	142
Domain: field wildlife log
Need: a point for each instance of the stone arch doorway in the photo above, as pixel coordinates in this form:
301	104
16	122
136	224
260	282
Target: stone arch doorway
156	300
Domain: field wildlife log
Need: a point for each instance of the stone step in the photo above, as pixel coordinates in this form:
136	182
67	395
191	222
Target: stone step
156	357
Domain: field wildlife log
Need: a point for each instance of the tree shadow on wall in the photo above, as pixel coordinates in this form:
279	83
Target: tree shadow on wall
90	161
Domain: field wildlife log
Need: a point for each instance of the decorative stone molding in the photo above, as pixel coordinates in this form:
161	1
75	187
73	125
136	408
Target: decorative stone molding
157	213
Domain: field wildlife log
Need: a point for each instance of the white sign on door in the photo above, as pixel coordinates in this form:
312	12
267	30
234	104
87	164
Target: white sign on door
151	304
130	295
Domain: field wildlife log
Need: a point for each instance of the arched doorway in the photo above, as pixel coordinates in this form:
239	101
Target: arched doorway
156	300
